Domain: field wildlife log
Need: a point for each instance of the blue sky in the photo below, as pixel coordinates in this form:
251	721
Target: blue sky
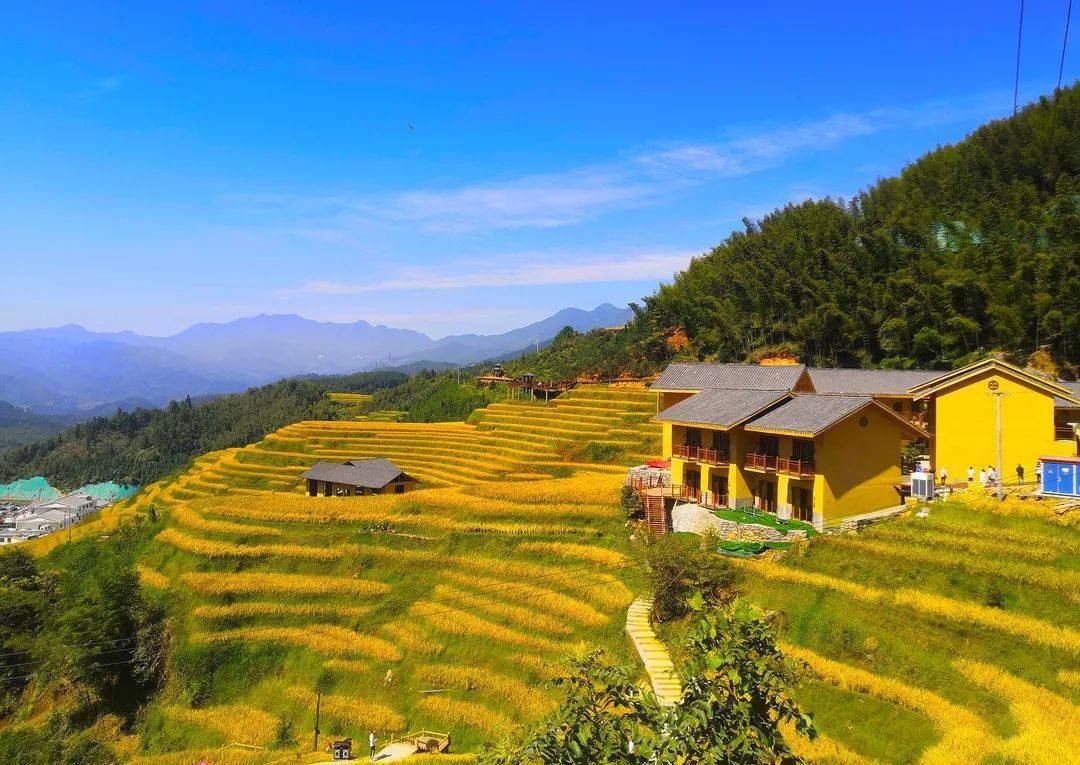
163	164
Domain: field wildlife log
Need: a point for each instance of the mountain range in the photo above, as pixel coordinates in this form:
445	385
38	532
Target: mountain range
71	369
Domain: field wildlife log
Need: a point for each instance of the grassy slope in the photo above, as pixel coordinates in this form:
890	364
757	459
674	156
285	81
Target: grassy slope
551	548
961	553
893	684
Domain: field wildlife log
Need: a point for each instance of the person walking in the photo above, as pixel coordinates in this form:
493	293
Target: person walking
1020	474
971	474
1038	473
982	476
371	743
944	475
993	475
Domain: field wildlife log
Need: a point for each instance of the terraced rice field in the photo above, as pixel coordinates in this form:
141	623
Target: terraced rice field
511	440
954	638
352	399
444	609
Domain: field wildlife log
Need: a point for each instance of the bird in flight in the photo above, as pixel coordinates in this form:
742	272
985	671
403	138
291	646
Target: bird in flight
411	127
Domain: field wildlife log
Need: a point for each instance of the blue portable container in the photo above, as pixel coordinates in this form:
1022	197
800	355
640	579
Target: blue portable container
1061	476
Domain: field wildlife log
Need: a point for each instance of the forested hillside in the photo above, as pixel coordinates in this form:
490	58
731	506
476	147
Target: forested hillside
144	445
973	248
21	426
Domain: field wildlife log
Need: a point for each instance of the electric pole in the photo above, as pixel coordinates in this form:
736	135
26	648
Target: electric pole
998	396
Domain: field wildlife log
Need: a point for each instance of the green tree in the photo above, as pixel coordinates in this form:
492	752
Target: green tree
736	700
736	695
686	569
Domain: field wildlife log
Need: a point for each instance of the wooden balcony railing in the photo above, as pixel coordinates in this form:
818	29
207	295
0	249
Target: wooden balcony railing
700	454
1064	432
789	465
759	461
680	492
801	468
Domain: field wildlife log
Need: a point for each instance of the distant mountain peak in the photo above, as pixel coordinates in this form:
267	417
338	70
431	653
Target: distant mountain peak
70	367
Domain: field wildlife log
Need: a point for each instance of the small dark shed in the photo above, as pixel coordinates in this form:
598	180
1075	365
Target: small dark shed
343	749
357	478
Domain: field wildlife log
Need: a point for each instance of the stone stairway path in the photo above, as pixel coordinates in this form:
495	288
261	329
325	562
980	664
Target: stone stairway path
655	657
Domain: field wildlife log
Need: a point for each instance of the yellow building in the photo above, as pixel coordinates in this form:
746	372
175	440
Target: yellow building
822	445
963	409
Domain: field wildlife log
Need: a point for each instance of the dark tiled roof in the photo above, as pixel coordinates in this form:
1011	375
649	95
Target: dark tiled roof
698	376
870	381
1062	403
810	414
371	474
721	408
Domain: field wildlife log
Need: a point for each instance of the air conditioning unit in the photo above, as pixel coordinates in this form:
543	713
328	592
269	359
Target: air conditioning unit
922	485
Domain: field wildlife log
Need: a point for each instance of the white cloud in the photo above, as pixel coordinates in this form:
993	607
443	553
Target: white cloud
536	269
564	198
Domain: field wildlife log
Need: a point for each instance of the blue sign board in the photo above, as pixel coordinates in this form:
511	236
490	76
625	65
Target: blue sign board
1061	477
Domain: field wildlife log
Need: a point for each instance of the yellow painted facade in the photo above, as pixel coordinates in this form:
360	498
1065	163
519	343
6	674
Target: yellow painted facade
857	468
857	460
860	465
964	422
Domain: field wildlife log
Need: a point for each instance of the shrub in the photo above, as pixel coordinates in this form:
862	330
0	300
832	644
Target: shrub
995	598
630	502
594	452
284	736
682	570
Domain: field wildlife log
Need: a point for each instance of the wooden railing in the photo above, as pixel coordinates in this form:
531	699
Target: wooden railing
802	468
700	454
1064	432
678	491
789	465
759	461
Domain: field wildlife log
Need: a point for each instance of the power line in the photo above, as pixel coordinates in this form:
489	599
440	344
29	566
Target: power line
44	661
1064	44
1019	38
78	645
98	666
1057	95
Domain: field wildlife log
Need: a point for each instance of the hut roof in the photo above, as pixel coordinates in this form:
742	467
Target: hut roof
371	474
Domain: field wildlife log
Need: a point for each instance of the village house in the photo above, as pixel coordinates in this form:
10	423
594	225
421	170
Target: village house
77	505
823	445
357	478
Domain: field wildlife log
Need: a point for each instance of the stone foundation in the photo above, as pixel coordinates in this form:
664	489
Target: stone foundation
696	519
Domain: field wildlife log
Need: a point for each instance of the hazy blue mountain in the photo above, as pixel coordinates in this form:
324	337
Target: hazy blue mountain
69	369
72	370
469	349
284	345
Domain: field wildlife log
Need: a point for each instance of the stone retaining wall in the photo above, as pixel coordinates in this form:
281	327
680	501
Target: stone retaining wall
696	519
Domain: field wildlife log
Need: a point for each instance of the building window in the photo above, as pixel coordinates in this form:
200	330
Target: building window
898	407
693	437
802	450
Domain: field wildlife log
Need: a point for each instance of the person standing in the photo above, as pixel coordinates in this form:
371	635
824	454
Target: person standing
1020	474
371	743
1038	473
982	476
993	475
971	474
944	475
